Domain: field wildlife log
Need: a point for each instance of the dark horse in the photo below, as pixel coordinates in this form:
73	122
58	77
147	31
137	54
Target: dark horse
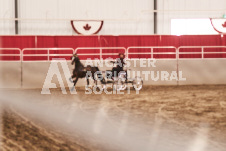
80	71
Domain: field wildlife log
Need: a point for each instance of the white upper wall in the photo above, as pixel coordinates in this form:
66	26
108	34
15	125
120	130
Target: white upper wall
216	10
121	17
7	11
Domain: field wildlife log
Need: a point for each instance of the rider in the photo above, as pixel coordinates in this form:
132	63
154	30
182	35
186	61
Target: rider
120	64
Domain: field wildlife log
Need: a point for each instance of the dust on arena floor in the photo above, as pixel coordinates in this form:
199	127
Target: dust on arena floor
159	118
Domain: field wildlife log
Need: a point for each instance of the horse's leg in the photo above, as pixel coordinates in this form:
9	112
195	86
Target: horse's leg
75	81
87	80
94	79
72	77
100	76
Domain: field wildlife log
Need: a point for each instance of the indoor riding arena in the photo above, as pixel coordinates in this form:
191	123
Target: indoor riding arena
104	75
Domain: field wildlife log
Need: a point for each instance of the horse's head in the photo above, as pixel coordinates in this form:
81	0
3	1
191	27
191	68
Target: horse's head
74	59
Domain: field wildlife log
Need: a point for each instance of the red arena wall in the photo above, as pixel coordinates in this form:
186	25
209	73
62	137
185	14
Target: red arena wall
74	42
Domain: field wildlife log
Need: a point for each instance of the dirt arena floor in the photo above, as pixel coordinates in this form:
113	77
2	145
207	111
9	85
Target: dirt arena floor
163	118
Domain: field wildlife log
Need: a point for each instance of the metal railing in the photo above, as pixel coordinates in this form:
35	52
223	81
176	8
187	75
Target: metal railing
182	52
10	54
47	54
100	49
202	51
151	52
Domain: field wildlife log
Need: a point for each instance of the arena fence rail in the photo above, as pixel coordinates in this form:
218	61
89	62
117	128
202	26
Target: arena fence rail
160	52
46	54
10	54
100	52
202	52
184	58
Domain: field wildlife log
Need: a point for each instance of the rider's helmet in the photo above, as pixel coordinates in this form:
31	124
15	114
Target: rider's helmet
121	54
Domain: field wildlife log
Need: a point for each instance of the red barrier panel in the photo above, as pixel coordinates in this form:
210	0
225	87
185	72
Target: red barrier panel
10	54
117	41
17	42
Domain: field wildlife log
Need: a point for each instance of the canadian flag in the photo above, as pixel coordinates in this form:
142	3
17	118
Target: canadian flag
219	24
224	25
87	27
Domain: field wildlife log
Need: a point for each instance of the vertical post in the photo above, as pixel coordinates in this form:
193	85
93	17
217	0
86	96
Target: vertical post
48	54
152	53
177	53
101	57
202	52
16	16
127	51
21	68
155	16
